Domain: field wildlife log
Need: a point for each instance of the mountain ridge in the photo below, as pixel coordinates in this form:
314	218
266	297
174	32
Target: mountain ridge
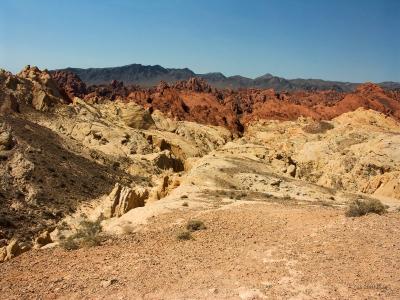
151	75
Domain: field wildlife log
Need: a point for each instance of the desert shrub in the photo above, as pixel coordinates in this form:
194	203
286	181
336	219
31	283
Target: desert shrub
69	243
361	207
86	236
194	225
184	235
185	204
63	226
318	127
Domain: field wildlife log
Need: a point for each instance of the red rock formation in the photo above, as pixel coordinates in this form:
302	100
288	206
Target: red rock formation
112	91
191	101
194	100
194	84
69	84
319	105
367	95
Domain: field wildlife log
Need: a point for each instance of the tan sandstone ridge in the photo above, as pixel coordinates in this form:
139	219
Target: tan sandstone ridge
143	172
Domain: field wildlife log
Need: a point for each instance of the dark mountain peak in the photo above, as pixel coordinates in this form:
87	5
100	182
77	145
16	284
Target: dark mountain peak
182	70
151	75
266	76
238	77
213	76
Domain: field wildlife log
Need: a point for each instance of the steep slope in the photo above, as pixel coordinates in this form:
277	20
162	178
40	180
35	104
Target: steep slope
45	177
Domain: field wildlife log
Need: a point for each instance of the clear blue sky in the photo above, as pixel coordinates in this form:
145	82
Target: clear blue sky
352	40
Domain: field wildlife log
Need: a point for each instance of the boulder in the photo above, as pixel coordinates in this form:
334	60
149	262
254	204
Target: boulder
135	116
122	199
41	100
6	141
8	104
162	122
43	239
387	185
166	184
13	249
291	170
3	253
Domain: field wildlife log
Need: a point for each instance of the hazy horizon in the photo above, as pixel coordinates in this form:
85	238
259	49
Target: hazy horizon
340	40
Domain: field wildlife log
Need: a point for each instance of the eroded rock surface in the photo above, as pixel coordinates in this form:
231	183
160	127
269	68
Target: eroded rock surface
123	199
64	149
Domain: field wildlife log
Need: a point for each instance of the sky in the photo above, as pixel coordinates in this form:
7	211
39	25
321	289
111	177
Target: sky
346	40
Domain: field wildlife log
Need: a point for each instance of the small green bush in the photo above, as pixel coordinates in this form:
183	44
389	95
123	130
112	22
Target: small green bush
184	235
362	207
194	225
86	236
69	243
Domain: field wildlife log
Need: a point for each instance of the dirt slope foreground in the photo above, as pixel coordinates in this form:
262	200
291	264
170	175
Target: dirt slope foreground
272	198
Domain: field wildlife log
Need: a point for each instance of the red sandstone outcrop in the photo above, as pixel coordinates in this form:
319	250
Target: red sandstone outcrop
194	100
191	100
69	84
257	104
194	84
113	91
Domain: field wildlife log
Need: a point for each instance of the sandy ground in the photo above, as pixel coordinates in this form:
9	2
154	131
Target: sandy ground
248	251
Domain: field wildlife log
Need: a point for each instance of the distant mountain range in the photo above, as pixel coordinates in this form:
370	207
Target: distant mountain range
151	75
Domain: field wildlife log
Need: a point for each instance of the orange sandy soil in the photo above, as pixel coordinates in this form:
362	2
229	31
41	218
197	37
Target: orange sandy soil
248	251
